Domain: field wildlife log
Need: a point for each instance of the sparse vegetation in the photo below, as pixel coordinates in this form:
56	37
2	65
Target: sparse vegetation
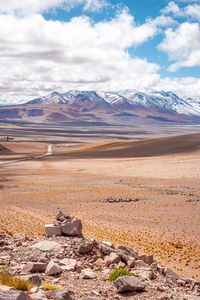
119	272
3	268
16	282
48	286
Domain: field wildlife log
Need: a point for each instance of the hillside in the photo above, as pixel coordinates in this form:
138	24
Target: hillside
126	107
144	148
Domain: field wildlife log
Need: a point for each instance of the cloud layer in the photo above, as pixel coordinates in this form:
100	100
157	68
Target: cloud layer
183	45
38	56
27	7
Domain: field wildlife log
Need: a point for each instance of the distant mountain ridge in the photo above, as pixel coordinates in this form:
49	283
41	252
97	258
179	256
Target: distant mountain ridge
126	106
162	99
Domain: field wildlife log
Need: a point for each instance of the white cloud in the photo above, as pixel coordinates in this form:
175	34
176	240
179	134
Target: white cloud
182	45
171	7
192	10
186	87
26	7
95	5
38	56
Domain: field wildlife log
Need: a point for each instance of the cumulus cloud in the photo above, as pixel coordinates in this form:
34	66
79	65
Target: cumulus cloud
171	7
182	45
191	10
38	56
21	7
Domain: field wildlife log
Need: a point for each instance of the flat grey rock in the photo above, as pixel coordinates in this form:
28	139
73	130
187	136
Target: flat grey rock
128	283
61	295
46	246
33	278
13	295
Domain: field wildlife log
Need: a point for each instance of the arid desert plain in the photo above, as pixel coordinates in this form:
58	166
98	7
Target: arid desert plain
159	169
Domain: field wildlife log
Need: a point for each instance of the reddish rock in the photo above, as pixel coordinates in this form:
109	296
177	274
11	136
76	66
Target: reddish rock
112	258
53	269
72	228
34	267
141	264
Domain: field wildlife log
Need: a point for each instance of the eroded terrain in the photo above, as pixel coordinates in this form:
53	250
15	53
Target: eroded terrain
84	171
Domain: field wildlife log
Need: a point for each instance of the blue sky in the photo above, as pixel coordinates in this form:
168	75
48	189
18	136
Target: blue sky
98	44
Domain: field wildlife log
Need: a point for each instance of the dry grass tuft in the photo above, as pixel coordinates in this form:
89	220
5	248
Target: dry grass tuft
17	283
48	286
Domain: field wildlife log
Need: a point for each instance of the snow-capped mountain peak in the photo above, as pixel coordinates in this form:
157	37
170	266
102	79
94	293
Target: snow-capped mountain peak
155	100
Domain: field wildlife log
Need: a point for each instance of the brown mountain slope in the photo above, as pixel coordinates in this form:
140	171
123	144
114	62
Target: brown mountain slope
144	148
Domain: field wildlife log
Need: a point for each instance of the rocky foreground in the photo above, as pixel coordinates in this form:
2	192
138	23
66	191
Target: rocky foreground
82	267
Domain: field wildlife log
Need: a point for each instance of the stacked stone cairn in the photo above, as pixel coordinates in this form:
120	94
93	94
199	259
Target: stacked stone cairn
64	225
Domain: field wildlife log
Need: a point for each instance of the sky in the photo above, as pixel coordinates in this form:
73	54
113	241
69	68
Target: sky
109	45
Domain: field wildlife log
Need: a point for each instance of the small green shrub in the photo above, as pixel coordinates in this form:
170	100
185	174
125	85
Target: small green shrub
17	283
119	272
3	268
48	286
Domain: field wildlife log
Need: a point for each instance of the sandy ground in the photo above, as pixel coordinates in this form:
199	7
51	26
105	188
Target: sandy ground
165	221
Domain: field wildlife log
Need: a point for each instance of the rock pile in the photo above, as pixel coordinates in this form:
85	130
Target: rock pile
64	225
82	267
114	200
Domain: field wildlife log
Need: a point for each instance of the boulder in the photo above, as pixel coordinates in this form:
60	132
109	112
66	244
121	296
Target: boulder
105	250
51	229
144	258
52	269
34	267
99	263
46	246
61	295
141	264
72	228
85	246
88	274
148	259
13	295
128	283
144	274
68	264
123	255
112	258
129	251
33	278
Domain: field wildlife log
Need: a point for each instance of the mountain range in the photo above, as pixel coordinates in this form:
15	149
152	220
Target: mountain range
128	107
